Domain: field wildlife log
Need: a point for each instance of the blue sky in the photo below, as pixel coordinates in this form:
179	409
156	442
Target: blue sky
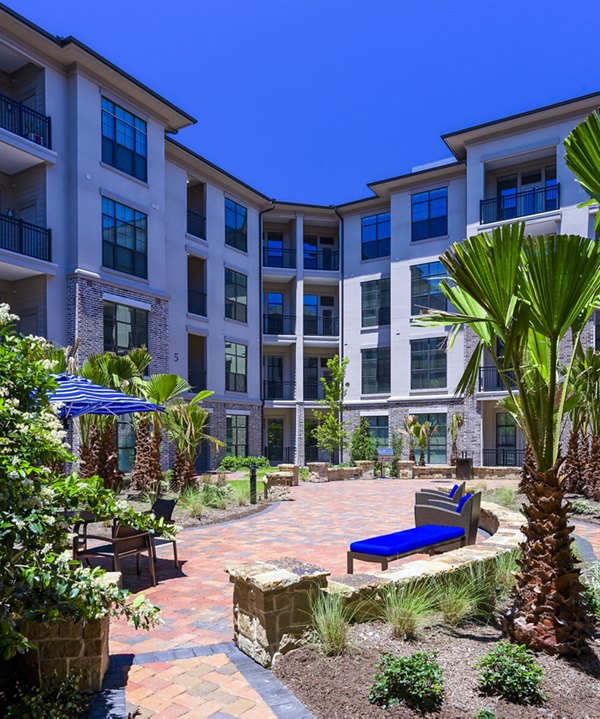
308	100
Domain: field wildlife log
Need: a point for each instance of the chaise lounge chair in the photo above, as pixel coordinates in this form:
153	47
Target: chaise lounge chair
425	494
438	528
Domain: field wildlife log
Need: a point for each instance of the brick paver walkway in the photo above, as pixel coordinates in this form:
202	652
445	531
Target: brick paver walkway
196	601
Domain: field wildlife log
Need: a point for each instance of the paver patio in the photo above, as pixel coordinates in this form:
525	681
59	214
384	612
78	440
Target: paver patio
196	601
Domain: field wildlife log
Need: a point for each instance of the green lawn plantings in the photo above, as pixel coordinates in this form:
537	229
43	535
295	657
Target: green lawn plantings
191	501
405	606
584	506
511	672
234	464
505	496
467	594
485	714
591	594
55	700
331	622
415	680
505	567
241	490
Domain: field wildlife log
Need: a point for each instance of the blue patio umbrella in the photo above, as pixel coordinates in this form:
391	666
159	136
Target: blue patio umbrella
80	396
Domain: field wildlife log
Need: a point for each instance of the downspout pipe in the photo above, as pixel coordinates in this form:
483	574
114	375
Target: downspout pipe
341	302
271	207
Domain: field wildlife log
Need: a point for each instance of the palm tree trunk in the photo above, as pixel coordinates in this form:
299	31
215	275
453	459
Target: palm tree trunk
411	452
179	469
528	462
547	614
594	477
108	457
454	453
421	457
143	456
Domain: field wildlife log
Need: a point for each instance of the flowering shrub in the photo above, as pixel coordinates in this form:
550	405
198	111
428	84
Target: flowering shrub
38	578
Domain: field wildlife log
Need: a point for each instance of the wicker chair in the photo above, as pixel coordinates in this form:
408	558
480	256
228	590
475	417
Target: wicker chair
465	514
163	509
426	495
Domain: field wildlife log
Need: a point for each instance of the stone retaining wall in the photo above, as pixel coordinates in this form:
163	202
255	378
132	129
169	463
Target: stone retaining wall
321	472
271	599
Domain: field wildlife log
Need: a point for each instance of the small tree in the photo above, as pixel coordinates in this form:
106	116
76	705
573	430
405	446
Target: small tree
397	443
456	424
330	432
362	446
423	433
408	427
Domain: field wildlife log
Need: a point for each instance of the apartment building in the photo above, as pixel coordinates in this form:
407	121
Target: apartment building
114	233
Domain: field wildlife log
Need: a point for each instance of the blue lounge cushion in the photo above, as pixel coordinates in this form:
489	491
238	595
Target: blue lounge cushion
408	540
453	491
463	501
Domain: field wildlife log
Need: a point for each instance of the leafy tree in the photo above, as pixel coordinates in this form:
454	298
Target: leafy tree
362	445
397	443
330	431
531	293
456	423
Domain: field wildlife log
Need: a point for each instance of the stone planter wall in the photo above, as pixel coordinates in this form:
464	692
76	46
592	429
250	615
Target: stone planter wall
287	476
433	472
367	469
340	474
317	471
271	599
403	469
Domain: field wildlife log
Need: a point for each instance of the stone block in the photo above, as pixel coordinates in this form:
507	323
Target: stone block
367	469
317	471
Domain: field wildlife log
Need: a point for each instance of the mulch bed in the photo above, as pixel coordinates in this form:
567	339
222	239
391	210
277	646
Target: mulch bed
338	687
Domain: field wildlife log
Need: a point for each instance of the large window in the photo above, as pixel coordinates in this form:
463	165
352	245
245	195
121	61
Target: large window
425	290
430	214
237	435
236	369
124	328
124	140
375	300
124	238
236	225
375	236
436	452
236	296
375	370
428	363
379	429
125	443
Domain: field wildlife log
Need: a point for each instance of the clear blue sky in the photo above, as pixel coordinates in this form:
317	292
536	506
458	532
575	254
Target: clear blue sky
308	100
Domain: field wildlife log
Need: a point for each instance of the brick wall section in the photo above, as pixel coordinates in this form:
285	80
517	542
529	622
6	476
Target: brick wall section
218	427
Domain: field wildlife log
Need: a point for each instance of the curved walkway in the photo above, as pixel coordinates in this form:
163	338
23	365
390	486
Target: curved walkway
196	600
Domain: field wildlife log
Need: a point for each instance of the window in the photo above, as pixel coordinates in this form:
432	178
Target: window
436	447
236	367
425	287
124	140
375	370
428	363
311	314
124	328
236	296
430	214
124	238
375	236
375	302
125	443
378	429
237	435
506	430
236	225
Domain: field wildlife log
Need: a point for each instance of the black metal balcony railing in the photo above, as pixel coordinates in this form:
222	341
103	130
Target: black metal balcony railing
503	457
273	257
278	454
326	260
490	380
197	302
321	326
25	238
314	390
279	390
196	224
520	204
279	324
22	120
197	379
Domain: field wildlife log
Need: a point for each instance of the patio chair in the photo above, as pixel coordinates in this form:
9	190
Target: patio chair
425	494
163	508
125	542
465	514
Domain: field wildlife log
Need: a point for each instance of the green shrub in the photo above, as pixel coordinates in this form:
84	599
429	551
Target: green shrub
591	595
584	506
405	606
505	566
485	714
191	501
506	497
362	445
467	594
331	622
510	671
415	680
304	473
56	700
215	495
234	464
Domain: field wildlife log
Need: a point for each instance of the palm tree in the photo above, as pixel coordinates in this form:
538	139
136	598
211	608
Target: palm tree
531	293
408	427
186	424
423	433
456	423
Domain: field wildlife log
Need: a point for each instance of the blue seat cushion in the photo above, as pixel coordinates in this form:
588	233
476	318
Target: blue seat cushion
463	501
453	491
409	540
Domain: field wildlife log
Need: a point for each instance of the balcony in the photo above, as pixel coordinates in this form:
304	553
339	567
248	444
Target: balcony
491	381
321	326
279	324
503	457
325	260
196	224
314	391
508	206
197	302
25	122
275	257
279	390
25	238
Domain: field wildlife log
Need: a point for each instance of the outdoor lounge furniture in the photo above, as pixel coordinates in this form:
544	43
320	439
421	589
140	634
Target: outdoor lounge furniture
439	526
163	509
425	494
125	542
